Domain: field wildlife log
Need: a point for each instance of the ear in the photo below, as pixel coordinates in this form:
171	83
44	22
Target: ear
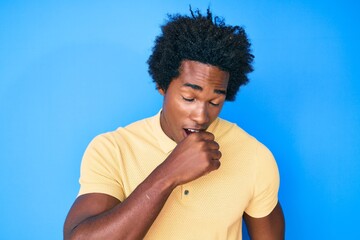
160	90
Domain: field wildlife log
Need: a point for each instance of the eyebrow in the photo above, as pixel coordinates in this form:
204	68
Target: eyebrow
198	88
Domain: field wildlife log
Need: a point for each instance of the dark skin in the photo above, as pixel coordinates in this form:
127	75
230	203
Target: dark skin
270	227
191	103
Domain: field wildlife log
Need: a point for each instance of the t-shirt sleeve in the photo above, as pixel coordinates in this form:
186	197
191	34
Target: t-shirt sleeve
99	173
267	181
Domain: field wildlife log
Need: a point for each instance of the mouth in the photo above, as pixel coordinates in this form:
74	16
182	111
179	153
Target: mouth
189	131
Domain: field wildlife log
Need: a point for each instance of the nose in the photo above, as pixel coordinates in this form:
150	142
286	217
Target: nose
200	114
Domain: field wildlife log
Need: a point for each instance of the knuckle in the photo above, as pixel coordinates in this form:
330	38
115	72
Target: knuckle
211	136
218	164
219	154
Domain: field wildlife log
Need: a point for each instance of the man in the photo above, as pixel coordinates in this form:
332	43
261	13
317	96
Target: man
184	173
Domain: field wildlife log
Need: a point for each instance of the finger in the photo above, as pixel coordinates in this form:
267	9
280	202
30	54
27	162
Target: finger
216	155
207	136
216	164
213	145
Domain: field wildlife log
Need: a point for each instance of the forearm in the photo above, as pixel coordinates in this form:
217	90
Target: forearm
194	157
130	219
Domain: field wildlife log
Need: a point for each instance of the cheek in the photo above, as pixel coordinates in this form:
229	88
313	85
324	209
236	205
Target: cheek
214	112
177	109
180	107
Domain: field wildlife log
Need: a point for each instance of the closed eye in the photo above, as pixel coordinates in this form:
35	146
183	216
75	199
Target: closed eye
188	99
215	104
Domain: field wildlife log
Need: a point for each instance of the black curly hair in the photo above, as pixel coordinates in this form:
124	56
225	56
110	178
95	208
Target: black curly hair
204	39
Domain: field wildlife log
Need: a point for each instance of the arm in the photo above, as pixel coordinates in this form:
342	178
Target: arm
271	227
100	216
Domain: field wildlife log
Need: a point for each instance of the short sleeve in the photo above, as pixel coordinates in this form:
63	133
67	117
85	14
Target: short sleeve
267	181
99	169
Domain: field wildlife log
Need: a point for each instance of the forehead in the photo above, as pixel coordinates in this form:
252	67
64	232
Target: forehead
204	75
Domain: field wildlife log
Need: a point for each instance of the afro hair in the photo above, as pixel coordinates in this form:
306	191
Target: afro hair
204	39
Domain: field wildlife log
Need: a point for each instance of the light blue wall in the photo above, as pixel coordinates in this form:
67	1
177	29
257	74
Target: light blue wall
70	70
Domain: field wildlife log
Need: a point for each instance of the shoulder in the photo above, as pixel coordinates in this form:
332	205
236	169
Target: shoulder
140	128
229	131
236	140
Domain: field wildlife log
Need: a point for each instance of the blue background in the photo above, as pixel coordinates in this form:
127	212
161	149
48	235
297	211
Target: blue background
70	70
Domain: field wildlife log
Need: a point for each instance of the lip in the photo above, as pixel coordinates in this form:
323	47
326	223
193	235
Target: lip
189	131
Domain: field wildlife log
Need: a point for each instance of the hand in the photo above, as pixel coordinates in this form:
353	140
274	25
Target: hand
197	155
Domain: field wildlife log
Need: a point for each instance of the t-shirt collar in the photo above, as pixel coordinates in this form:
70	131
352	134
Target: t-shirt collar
165	143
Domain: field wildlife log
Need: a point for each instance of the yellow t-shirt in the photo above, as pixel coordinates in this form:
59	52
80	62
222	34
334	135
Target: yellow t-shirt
210	207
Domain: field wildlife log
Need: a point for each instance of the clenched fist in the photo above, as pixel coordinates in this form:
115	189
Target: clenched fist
195	156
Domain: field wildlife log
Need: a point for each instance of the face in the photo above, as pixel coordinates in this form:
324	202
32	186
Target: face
193	100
